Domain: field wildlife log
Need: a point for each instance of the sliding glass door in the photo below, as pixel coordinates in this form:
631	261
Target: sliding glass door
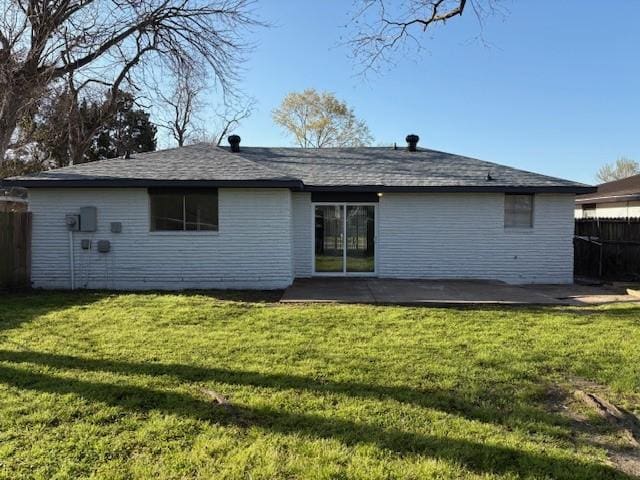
329	238
360	238
344	239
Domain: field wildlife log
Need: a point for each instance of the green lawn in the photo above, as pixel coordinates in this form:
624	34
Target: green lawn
111	386
335	264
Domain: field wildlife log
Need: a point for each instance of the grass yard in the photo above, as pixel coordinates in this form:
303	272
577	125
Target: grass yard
113	386
335	264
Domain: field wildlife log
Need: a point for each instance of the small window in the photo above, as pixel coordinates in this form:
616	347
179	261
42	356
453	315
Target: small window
518	211
183	210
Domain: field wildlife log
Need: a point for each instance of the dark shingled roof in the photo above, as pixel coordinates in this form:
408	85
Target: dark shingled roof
617	191
360	169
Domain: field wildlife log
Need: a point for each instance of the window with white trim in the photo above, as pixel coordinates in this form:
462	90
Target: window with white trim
183	210
518	210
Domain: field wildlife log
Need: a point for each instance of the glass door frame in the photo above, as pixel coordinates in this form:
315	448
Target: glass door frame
344	272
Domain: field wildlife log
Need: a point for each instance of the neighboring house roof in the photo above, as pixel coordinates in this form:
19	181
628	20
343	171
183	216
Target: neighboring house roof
13	194
14	197
5	198
625	190
362	169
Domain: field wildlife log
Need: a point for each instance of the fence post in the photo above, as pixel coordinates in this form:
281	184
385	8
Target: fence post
600	259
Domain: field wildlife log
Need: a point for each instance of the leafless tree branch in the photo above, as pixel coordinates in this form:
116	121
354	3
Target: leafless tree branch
232	115
381	27
180	106
105	41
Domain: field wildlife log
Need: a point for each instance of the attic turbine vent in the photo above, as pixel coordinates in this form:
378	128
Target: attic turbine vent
234	141
412	142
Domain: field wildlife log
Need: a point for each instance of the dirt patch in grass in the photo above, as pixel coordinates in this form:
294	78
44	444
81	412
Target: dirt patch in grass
591	426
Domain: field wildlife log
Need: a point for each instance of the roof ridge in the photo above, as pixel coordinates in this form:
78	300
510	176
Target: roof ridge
270	169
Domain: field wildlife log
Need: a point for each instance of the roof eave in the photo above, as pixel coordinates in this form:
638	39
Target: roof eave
292	184
145	183
608	198
573	189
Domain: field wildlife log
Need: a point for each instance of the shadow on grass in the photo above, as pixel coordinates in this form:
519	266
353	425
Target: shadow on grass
452	402
479	457
17	308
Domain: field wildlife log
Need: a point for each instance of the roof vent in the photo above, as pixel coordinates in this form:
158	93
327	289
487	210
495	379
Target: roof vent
234	141
412	142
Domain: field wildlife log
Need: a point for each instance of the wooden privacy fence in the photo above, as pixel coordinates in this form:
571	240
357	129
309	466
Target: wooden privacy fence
15	250
607	248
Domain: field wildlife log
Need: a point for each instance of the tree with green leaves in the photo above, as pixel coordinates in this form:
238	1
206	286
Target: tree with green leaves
128	129
622	168
318	120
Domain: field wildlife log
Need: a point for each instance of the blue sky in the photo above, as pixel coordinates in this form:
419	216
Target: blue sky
556	91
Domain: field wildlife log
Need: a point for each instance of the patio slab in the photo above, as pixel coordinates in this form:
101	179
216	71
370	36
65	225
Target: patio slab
445	292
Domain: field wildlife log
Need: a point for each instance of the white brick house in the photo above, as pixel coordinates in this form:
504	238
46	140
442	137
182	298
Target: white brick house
208	217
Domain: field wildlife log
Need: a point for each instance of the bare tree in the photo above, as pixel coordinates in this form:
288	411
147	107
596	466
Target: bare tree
104	41
180	106
228	118
231	115
382	27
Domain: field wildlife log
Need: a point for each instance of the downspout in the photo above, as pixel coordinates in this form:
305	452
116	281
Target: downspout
71	261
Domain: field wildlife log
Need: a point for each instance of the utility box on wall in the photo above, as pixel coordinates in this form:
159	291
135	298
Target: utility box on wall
88	219
104	246
72	221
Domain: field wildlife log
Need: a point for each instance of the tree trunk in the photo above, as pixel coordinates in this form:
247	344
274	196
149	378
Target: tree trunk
5	140
18	93
8	122
76	153
78	143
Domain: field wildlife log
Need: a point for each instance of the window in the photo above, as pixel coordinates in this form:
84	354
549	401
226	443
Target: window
518	211
183	210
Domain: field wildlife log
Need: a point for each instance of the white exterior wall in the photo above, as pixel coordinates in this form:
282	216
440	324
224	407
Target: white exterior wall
251	250
463	236
302	234
458	235
266	237
612	210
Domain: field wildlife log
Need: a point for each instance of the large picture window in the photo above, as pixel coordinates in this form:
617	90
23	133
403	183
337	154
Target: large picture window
518	211
183	210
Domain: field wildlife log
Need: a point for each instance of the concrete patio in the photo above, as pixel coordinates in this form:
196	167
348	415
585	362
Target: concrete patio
448	292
